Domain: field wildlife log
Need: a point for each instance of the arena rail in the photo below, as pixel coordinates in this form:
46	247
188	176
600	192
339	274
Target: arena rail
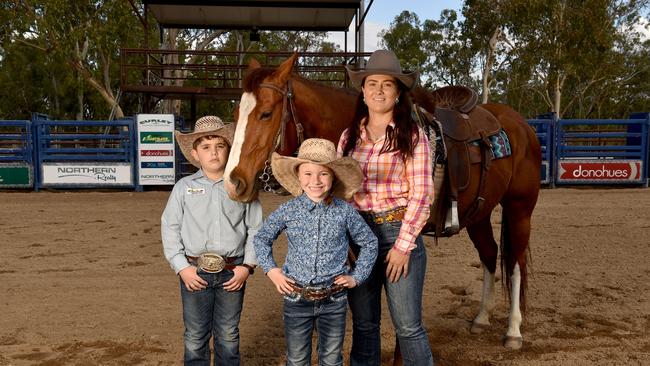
84	154
543	126
16	154
610	152
44	153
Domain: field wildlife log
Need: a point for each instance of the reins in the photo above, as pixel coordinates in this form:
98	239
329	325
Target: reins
288	107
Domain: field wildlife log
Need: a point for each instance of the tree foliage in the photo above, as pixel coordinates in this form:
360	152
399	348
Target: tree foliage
575	58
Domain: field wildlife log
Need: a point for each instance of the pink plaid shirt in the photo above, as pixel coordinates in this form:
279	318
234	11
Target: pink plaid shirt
389	182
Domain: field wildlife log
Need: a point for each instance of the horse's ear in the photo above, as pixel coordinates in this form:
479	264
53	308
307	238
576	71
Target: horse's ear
284	70
253	64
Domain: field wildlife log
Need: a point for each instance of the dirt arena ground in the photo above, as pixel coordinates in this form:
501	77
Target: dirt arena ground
83	282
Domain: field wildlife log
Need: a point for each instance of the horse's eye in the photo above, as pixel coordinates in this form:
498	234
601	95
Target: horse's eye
266	115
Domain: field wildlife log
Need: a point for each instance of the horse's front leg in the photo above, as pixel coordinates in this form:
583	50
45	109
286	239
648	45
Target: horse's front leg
482	319
514	339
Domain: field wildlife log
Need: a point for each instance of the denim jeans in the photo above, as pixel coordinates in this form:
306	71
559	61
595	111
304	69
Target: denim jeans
404	299
327	316
214	312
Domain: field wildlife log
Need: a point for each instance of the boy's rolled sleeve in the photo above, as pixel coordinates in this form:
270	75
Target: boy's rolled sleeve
254	218
170	230
264	239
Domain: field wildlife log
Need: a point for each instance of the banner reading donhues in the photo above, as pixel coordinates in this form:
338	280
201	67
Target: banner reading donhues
156	149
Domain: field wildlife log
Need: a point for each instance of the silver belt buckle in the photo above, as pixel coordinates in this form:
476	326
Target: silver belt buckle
211	262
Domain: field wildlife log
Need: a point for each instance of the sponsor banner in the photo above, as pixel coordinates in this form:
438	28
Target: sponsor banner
600	171
157	164
156	154
151	177
90	173
15	176
153	137
155	122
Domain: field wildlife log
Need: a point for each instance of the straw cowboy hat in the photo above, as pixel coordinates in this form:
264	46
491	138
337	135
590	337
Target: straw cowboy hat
383	62
348	175
204	126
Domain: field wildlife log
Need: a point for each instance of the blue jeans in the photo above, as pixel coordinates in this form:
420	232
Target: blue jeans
404	299
327	316
214	312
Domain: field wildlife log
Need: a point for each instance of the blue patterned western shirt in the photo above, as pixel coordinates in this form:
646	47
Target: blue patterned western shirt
318	237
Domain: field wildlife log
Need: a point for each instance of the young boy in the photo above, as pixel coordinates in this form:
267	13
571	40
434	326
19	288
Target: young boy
315	277
208	241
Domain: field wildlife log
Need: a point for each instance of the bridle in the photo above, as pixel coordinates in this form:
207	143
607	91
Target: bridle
288	108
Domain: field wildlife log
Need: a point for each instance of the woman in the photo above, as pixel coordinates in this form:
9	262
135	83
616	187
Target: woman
394	198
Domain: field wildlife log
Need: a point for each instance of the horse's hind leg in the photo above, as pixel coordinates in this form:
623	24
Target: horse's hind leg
483	239
515	236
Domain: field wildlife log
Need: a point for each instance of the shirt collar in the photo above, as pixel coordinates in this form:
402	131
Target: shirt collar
307	203
201	175
363	134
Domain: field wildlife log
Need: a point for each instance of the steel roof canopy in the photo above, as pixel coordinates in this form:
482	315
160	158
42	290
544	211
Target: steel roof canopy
314	15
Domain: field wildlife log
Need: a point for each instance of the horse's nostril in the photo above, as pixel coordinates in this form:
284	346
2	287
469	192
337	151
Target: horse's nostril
238	184
240	188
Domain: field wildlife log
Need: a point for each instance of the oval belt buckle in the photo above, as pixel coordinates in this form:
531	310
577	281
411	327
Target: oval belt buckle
211	262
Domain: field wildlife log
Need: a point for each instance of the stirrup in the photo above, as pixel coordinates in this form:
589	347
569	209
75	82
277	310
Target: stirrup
452	225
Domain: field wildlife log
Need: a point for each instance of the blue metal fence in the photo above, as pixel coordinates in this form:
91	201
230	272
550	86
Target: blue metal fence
84	153
73	154
16	154
602	151
544	129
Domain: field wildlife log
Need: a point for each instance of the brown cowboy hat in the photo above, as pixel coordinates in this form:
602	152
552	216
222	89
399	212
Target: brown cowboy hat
322	152
383	62
204	126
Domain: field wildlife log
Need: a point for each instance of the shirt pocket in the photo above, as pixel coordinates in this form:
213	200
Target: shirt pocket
234	212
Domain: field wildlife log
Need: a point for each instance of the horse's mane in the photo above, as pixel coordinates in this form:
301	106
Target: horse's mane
255	77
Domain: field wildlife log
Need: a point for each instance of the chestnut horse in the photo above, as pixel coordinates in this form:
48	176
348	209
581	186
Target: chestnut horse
279	108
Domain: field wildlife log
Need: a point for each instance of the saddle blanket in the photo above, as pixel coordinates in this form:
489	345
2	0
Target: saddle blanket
500	144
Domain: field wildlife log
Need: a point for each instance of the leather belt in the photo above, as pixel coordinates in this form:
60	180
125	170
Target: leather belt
378	218
211	258
316	293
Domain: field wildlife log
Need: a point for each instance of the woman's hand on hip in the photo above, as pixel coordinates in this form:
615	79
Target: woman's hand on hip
398	265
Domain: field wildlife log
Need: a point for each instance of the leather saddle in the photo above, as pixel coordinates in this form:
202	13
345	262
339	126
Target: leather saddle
465	128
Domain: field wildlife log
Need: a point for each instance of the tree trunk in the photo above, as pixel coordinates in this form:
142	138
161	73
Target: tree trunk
489	62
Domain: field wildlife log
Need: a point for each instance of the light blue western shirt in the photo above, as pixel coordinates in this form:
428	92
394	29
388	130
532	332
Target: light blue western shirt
200	217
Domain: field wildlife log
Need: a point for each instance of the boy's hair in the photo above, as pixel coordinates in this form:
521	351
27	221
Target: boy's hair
208	137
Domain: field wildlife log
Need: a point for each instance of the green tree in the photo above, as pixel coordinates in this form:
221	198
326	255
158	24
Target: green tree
80	41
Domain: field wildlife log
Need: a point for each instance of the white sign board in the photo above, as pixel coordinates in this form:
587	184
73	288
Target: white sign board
92	173
156	149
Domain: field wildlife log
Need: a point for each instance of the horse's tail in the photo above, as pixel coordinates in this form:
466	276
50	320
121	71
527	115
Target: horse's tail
509	256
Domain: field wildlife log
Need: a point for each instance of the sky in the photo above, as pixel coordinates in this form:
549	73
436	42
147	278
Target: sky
383	12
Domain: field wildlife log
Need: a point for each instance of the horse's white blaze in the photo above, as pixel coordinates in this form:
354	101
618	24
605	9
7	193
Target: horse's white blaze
483	317
246	106
515	313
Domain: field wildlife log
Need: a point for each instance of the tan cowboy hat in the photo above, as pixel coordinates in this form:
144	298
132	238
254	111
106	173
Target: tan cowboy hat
383	62
204	126
348	175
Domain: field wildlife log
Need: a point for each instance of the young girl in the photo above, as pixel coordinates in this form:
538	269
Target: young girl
315	277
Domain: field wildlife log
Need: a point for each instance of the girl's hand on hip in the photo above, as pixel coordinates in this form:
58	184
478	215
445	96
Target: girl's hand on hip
398	265
282	283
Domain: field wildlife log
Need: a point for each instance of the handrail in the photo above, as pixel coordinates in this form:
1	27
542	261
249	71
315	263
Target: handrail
167	72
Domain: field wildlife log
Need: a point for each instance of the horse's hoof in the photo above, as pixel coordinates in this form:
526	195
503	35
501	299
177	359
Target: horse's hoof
513	342
478	328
